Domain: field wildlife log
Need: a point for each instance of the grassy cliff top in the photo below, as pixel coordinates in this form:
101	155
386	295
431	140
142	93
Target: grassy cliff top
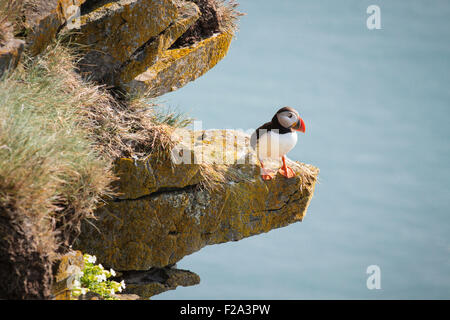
58	138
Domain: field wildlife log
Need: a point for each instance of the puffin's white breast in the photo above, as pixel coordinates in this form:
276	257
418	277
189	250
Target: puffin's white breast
274	145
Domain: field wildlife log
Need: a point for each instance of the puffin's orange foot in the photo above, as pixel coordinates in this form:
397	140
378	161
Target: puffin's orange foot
266	174
288	173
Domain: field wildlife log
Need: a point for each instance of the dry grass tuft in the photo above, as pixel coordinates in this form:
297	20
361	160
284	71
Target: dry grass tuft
214	177
50	171
121	125
228	15
147	129
308	175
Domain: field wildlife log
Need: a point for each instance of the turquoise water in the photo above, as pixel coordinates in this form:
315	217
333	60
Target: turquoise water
376	104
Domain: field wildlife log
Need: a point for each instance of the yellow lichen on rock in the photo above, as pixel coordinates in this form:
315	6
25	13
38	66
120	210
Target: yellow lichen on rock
115	31
126	42
69	266
149	52
43	19
119	28
139	178
176	67
10	55
42	22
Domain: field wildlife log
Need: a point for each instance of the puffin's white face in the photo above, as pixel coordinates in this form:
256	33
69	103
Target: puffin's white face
287	118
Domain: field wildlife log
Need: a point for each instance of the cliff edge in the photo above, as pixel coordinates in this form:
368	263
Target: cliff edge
167	211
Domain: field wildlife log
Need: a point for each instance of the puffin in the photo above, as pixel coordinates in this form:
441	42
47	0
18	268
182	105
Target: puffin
274	139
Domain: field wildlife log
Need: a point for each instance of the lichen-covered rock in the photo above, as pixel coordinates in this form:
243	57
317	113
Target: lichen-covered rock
146	284
149	52
143	177
176	67
69	266
155	225
43	19
114	31
126	42
10	55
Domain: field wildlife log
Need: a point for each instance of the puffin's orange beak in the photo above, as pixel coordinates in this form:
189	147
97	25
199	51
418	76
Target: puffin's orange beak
300	125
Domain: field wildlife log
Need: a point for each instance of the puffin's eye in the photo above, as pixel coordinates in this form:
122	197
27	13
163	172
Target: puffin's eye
290	115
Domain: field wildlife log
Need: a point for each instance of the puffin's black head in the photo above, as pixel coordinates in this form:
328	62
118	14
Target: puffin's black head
288	118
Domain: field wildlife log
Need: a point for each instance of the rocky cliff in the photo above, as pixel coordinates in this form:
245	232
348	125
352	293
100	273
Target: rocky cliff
130	44
163	210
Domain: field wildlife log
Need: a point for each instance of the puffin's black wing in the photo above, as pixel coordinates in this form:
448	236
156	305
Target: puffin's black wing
255	135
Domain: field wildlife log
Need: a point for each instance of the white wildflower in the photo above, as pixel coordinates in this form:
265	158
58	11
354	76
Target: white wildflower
91	259
100	277
76	284
112	272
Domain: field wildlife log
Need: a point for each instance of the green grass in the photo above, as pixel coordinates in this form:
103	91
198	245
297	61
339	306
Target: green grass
51	172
